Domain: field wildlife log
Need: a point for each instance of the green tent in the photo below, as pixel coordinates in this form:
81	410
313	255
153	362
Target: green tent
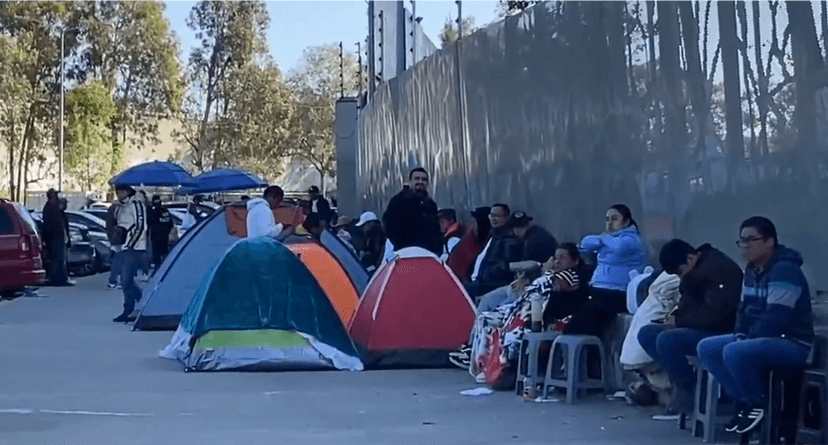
260	308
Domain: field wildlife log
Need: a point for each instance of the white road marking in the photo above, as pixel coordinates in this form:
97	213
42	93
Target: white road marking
270	393
96	413
16	411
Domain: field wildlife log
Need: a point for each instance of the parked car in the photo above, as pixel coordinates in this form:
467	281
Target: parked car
89	252
21	262
88	220
97	212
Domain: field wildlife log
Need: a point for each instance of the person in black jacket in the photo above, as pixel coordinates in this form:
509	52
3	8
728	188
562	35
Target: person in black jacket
711	289
411	217
160	225
56	239
319	205
538	244
491	269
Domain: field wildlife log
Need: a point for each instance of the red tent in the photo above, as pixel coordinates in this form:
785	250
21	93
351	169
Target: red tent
413	312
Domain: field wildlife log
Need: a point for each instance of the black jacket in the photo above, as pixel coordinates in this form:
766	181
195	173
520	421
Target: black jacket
539	245
411	220
494	271
320	205
710	295
55	224
160	224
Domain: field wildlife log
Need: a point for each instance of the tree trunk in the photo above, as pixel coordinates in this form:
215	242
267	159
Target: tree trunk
26	138
734	141
651	40
12	145
761	99
695	76
807	58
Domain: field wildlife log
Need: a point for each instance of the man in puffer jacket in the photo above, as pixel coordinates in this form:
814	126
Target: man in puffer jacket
774	327
711	286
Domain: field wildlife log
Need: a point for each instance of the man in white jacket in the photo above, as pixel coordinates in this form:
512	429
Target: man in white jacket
131	221
260	218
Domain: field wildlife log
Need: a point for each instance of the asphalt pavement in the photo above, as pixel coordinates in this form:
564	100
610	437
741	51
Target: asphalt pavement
69	375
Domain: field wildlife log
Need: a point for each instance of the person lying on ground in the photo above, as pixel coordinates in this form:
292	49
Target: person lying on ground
774	325
711	287
620	250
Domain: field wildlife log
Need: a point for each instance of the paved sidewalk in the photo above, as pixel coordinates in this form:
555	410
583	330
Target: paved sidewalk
70	376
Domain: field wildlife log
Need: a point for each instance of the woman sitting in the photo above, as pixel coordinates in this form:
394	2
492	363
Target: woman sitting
570	292
620	250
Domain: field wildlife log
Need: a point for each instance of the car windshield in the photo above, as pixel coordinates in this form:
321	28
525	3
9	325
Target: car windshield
27	219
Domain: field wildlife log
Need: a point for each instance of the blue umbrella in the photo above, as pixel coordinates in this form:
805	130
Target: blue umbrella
154	174
226	179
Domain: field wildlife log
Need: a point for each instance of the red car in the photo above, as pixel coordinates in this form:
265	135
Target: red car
21	263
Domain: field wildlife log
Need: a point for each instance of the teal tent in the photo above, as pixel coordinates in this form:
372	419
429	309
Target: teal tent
259	308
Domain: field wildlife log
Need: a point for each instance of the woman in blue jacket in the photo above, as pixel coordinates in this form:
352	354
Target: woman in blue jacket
620	250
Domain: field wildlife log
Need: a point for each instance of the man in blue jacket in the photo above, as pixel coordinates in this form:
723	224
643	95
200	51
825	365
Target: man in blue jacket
774	327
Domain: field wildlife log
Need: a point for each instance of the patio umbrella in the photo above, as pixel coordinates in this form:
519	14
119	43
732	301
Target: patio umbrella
154	174
224	180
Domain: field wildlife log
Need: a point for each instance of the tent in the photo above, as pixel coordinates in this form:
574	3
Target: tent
261	309
413	313
329	274
172	286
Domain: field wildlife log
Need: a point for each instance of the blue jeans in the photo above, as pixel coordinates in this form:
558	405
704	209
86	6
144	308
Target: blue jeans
669	346
740	365
131	262
500	296
115	268
58	273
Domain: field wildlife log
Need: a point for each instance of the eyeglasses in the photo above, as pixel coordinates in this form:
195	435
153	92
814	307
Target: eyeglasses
495	215
744	242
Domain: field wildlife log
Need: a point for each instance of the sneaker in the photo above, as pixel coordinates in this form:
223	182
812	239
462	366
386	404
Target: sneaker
750	419
111	286
460	359
123	318
733	423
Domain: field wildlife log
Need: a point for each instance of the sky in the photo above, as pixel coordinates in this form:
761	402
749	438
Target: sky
296	25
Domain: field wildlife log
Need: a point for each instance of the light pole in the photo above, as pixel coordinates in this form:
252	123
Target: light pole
62	88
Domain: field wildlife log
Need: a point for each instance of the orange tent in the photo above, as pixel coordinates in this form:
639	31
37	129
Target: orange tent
330	275
237	218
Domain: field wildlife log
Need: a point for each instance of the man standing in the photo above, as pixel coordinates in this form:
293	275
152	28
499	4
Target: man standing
56	238
538	244
411	217
774	327
319	205
260	218
711	287
132	229
451	229
160	225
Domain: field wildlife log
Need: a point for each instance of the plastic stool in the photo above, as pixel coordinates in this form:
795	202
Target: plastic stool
812	427
528	365
577	377
705	416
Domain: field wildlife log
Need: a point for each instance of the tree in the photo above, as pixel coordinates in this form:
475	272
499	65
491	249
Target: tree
89	154
232	35
449	32
315	86
505	7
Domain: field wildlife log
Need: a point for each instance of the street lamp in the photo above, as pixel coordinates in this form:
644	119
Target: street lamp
62	88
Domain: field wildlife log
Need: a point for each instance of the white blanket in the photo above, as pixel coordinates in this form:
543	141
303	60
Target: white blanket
661	300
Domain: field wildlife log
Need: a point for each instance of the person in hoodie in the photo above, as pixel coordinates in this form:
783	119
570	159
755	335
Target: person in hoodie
451	229
711	288
411	216
131	220
774	325
538	244
260	218
620	250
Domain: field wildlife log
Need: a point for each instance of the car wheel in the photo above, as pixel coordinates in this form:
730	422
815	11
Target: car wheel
9	293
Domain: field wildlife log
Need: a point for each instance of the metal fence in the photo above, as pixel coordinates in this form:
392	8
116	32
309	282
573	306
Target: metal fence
499	119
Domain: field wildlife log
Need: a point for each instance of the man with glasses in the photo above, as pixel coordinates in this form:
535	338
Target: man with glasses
774	327
491	269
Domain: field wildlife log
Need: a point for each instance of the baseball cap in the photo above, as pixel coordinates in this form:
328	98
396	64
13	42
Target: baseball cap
366	218
481	212
313	189
519	219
